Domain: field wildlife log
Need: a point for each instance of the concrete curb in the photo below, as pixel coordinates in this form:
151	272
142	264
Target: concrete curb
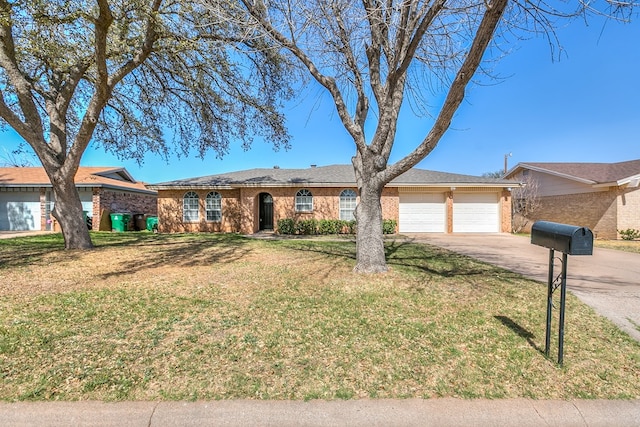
384	412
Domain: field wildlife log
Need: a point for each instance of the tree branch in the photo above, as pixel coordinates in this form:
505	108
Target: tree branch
105	84
255	11
362	105
483	37
16	77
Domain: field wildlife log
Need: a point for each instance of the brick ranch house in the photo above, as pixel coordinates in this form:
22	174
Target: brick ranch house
26	197
252	200
602	196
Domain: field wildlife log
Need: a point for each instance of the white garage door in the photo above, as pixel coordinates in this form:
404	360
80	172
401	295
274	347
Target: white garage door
422	213
476	213
19	211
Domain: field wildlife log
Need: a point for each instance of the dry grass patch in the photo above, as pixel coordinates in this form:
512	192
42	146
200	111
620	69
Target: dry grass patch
147	317
620	245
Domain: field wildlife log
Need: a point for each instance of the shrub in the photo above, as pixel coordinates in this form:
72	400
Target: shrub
307	226
326	226
330	226
389	226
286	226
629	234
349	227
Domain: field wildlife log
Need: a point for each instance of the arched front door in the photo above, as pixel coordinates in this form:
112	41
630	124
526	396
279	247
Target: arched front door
266	211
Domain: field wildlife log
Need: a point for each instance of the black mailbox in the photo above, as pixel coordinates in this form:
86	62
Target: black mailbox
568	239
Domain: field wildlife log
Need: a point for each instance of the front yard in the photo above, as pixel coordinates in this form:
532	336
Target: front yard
148	317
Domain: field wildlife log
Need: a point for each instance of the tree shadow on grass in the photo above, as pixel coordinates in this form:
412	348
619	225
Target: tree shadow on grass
186	250
519	330
433	260
24	251
29	250
404	254
155	250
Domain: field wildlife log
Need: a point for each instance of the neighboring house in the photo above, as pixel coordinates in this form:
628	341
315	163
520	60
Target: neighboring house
602	196
252	200
26	197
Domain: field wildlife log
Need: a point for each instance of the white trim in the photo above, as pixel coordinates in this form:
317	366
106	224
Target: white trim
550	172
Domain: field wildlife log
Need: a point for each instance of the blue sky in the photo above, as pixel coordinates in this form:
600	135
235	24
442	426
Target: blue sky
583	108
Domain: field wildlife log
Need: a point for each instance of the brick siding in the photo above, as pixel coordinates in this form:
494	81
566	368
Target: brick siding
505	212
106	202
629	209
240	208
596	211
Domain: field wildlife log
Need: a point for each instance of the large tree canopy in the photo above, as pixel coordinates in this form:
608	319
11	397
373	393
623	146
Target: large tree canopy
123	72
372	56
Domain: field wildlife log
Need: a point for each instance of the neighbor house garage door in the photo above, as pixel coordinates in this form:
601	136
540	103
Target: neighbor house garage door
422	213
476	213
19	211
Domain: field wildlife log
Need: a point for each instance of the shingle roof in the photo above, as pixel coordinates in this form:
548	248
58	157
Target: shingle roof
109	177
597	173
338	175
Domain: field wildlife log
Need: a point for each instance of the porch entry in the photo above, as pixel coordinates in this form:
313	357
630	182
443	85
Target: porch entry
266	211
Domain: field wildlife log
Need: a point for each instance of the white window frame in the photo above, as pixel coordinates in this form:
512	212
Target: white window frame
213	207
191	207
304	201
348	202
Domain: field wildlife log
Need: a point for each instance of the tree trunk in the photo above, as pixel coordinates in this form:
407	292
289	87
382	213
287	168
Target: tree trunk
68	212
370	255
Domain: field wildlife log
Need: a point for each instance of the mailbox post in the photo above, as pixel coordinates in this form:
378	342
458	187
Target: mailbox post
570	240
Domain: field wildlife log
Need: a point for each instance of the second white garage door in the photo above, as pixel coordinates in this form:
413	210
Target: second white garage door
476	213
422	213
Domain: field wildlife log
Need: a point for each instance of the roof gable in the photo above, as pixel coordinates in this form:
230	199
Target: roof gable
589	173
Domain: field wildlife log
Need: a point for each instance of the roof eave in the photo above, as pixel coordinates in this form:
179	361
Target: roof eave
632	181
246	185
115	187
458	184
31	185
331	185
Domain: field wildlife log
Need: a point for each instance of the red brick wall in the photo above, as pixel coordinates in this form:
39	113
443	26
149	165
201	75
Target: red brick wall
170	212
106	202
390	204
240	208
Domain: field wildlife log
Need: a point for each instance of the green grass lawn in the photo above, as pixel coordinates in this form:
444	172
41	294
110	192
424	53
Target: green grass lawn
148	317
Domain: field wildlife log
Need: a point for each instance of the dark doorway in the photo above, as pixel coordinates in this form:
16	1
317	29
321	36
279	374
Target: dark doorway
266	211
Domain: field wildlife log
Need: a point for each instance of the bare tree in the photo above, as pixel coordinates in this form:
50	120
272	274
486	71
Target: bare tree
525	201
494	174
126	72
371	54
16	158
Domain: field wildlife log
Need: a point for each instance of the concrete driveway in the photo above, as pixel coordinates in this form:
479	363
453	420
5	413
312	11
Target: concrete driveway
608	281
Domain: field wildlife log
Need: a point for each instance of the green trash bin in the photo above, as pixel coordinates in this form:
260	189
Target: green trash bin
152	223
117	222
